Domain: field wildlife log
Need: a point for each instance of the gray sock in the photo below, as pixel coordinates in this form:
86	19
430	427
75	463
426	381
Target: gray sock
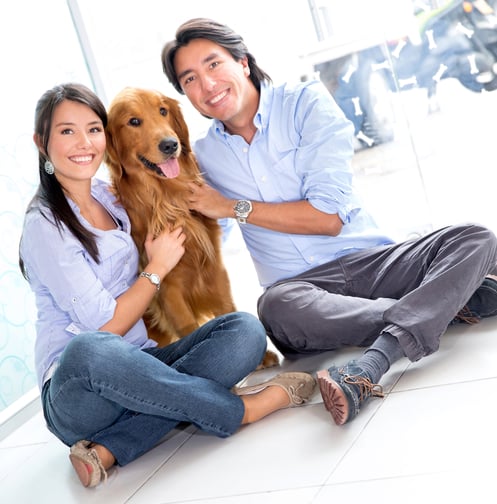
378	358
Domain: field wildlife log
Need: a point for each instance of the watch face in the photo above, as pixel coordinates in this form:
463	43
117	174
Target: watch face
242	206
155	279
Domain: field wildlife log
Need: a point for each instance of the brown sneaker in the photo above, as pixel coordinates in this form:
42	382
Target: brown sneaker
298	386
87	464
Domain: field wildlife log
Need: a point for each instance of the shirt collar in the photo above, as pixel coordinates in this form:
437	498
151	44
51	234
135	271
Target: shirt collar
101	191
261	119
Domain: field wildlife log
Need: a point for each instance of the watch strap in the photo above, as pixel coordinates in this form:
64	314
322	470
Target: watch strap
242	209
152	277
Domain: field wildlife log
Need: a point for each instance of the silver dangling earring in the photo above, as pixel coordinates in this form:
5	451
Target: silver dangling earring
49	167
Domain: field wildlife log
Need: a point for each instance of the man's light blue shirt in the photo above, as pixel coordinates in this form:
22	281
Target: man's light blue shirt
301	151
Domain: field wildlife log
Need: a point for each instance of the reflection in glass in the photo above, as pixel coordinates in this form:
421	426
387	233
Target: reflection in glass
34	63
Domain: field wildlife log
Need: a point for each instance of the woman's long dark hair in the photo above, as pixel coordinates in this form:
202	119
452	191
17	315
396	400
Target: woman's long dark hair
222	35
50	193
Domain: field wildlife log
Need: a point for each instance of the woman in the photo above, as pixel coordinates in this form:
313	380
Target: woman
107	390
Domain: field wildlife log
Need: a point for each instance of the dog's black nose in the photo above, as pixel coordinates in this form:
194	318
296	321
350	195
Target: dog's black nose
168	145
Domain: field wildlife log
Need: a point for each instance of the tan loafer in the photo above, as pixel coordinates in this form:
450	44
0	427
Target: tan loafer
298	386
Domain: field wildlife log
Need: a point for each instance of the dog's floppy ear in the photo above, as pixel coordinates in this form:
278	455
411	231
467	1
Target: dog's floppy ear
111	159
180	126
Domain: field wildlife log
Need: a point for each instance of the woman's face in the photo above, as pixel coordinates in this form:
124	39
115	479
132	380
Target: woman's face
76	143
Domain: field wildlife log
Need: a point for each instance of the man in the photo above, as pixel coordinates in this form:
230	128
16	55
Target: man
278	160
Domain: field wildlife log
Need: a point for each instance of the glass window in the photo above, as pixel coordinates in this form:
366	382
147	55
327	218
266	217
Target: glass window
40	49
415	77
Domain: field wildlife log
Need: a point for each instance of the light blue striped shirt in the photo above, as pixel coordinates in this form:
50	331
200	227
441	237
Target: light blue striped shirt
73	293
301	151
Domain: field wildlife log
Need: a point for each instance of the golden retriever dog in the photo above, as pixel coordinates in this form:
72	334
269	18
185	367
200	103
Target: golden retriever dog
151	163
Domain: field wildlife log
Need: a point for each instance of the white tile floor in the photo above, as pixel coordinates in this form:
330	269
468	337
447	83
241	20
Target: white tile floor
432	439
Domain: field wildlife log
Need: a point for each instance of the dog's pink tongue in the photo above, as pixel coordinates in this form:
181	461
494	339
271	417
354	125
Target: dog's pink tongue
170	168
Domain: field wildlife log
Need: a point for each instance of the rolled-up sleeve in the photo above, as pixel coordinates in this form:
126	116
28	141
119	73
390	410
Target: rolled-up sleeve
66	271
324	153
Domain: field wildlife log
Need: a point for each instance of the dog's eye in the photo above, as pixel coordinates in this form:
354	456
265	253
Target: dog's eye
134	121
163	111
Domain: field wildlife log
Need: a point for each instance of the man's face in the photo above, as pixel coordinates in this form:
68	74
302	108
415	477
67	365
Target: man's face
212	80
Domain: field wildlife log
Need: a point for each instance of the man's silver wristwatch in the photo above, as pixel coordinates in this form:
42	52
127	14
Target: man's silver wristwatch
153	277
242	210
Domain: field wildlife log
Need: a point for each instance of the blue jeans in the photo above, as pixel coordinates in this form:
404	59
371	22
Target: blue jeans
113	393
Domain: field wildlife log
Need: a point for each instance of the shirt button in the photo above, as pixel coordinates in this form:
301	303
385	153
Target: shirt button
245	150
263	178
311	259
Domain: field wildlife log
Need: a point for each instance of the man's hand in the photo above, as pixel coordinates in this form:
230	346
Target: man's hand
296	217
209	202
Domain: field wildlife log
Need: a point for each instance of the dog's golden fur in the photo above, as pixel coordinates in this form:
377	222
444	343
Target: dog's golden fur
147	139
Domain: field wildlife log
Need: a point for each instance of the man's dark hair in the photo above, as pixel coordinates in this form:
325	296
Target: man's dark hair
222	35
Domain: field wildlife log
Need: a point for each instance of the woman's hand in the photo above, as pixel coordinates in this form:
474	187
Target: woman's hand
165	250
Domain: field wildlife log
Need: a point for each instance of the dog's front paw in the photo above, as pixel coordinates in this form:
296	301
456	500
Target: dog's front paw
270	359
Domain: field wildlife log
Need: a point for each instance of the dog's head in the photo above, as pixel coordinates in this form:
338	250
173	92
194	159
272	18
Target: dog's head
146	131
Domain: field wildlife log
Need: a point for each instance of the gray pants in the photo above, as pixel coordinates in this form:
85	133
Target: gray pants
411	290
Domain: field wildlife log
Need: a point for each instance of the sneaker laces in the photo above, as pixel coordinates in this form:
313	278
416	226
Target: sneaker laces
466	315
366	388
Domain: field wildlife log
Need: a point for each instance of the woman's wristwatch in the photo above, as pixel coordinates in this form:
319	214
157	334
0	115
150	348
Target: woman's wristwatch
153	277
